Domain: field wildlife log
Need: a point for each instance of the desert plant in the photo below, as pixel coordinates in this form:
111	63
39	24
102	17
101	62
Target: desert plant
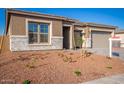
60	54
31	64
109	67
26	82
70	59
108	57
80	41
65	59
77	72
87	54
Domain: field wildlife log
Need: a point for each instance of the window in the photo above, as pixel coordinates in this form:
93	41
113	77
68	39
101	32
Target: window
33	32
43	32
38	32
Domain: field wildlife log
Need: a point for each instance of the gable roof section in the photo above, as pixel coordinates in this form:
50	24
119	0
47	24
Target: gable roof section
34	14
95	25
37	14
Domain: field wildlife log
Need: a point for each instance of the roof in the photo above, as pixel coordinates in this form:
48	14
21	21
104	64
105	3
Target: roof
38	14
34	14
94	24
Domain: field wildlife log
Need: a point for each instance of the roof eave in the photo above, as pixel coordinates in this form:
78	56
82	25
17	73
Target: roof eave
39	15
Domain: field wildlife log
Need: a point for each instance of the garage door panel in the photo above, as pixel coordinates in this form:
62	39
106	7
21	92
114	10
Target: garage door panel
100	39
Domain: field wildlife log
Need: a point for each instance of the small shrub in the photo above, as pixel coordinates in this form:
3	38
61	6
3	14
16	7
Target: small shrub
86	53
108	57
65	59
31	64
26	82
69	59
109	67
77	72
60	54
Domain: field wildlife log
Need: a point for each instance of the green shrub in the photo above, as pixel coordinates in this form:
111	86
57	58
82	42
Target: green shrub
77	72
26	82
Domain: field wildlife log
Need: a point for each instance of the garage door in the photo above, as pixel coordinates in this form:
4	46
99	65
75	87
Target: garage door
100	39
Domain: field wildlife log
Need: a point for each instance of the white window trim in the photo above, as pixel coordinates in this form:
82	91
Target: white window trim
42	21
57	37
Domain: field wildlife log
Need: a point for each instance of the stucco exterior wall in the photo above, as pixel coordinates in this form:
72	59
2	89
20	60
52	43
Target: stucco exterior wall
57	28
18	25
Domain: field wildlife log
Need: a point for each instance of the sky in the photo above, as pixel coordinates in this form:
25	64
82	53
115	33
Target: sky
110	16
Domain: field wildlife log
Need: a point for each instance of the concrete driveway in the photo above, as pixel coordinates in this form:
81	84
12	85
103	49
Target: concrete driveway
116	79
119	51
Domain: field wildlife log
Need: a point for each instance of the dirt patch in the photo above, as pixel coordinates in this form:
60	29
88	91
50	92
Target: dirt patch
56	67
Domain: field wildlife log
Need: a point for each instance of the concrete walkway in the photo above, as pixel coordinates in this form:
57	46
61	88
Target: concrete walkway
116	79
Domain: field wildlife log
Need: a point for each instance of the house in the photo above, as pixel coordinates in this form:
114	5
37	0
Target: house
120	34
36	31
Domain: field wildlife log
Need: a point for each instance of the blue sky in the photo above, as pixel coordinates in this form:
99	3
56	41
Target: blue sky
110	16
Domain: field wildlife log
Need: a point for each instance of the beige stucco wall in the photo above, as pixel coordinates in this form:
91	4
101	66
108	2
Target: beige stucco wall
57	28
18	25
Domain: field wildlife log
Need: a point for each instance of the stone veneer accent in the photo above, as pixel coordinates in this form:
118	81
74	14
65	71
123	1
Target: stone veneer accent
20	43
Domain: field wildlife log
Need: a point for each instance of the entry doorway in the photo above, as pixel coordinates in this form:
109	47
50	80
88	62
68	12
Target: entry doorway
66	37
78	39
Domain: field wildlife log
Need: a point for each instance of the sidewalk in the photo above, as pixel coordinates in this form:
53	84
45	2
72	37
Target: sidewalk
116	79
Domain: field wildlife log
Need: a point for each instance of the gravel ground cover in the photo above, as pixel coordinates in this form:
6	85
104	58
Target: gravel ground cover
56	67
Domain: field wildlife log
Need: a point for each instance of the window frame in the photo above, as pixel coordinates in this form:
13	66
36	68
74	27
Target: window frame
49	31
36	33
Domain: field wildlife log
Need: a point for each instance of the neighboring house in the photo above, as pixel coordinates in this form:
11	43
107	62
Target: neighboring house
120	34
35	31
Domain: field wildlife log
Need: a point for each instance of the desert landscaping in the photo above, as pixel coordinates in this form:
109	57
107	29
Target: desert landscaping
56	67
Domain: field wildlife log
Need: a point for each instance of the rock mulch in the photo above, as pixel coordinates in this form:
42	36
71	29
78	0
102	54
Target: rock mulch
56	67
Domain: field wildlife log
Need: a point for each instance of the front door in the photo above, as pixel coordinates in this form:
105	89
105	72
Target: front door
66	40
